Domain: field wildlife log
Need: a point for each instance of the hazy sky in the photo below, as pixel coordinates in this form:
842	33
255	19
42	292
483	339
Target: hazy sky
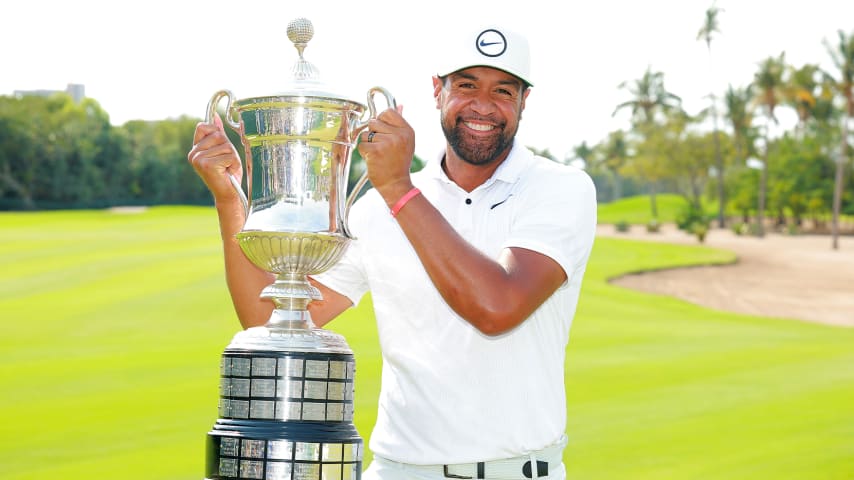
157	59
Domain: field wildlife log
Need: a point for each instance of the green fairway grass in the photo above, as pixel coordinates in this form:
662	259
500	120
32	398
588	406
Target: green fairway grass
112	325
637	210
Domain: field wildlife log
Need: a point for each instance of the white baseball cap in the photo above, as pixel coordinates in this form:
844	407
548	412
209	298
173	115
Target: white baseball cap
494	47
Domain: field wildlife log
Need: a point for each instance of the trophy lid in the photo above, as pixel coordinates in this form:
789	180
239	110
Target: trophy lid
305	78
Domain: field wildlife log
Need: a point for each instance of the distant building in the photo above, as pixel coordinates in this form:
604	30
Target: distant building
76	91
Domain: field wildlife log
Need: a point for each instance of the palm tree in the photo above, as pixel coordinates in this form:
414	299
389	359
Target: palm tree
801	93
843	59
649	98
740	117
710	26
615	153
769	85
582	152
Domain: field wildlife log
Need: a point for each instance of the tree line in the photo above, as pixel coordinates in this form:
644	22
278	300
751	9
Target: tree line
58	154
735	153
55	153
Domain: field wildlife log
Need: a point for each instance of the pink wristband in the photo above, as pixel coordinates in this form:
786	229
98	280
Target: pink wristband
403	201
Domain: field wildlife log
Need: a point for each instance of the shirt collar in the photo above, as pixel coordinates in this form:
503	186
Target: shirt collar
509	171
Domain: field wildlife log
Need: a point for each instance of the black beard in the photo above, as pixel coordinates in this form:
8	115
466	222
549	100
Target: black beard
477	152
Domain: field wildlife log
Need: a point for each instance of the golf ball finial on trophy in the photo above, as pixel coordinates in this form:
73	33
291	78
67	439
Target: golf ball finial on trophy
286	388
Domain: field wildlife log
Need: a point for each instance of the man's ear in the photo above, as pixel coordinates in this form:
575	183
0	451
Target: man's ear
524	98
437	91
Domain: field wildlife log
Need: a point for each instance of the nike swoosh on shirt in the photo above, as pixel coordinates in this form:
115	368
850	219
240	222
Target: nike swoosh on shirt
486	44
499	203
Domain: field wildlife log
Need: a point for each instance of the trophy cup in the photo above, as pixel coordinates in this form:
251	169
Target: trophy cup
286	388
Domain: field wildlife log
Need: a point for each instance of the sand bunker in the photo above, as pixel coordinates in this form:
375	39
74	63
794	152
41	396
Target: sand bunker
784	276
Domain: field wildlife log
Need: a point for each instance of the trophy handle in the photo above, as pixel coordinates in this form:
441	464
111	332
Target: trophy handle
235	182
372	110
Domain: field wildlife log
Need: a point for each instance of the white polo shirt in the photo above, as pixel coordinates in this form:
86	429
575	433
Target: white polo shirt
451	394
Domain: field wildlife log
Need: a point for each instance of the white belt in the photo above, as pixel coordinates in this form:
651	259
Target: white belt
516	468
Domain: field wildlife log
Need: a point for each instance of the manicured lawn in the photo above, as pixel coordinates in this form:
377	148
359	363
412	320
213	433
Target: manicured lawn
661	389
112	325
638	209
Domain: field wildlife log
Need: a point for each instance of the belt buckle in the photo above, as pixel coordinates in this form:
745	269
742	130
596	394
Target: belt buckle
451	475
480	472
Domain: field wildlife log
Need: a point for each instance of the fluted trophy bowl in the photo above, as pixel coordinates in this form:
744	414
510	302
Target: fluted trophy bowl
292	256
292	253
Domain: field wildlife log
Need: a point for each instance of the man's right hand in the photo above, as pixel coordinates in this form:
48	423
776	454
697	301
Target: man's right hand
214	158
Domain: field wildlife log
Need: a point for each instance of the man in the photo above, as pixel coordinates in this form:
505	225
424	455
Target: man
474	264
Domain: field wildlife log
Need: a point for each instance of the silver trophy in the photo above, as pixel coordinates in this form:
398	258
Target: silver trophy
286	388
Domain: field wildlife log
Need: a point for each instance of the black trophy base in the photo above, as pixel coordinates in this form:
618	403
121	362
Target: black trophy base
247	449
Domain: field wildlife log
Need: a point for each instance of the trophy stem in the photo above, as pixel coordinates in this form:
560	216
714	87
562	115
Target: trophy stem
291	289
291	293
284	318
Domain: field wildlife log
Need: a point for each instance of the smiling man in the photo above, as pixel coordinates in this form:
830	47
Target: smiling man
474	264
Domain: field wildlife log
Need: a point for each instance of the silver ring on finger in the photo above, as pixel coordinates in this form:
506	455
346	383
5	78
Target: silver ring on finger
371	136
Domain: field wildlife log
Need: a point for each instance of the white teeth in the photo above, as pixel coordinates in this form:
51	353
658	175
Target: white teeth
479	127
